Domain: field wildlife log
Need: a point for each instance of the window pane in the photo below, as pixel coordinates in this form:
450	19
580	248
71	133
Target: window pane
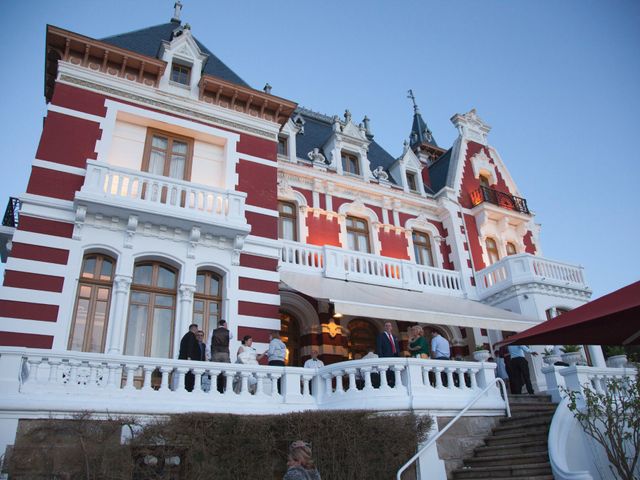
103	294
106	270
80	325
156	162
179	148
197	318
177	167
142	275
200	283
213	307
161	336
164	300
99	320
214	287
140	297
166	278
160	142
85	291
89	267
198	306
363	244
136	331
287	229
351	241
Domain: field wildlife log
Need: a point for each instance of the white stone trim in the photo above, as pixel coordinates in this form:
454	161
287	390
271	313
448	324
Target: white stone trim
288	194
60	167
358	209
258	297
481	164
261	210
37	327
36	266
30	296
261	161
258	274
49	208
257	322
421	224
302	310
42	240
74	113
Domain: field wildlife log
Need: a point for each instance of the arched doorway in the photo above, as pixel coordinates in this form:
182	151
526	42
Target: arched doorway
290	335
362	338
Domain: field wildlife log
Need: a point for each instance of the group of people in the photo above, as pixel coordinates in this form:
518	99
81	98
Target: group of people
388	345
194	347
512	367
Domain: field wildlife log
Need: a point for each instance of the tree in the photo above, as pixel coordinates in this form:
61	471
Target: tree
611	417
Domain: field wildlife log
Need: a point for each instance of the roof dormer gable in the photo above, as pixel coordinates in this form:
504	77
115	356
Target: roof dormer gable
471	127
349	139
407	171
185	61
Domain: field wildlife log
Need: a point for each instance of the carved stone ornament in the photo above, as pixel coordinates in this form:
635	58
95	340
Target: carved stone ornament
380	174
317	157
334	329
284	188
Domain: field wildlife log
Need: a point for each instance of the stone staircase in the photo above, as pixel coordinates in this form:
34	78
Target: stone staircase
517	447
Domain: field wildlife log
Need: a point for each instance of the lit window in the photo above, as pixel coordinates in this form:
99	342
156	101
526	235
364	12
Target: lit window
484	181
283	146
287	221
511	249
91	313
350	164
152	306
167	155
422	249
180	73
412	182
492	251
207	301
358	235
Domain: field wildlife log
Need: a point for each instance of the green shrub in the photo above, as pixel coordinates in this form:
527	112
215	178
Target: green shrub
571	348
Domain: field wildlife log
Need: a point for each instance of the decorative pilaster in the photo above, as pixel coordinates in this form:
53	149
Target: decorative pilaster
122	285
186	306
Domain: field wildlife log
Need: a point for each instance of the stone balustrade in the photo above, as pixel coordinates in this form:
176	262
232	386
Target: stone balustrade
525	268
44	380
342	264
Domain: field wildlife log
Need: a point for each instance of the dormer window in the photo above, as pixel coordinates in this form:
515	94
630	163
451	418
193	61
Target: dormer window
484	181
412	181
350	164
180	73
283	145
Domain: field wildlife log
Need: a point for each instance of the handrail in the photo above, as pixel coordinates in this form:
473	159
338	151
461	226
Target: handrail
455	419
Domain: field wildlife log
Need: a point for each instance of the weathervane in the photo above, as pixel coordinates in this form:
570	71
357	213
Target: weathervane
413	98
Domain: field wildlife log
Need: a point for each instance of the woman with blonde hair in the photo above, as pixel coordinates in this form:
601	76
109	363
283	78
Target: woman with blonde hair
418	345
301	466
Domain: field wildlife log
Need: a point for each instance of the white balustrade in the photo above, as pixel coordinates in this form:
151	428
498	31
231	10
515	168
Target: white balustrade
59	380
338	263
526	268
132	188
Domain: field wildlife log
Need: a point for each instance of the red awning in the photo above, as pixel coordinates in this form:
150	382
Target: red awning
610	320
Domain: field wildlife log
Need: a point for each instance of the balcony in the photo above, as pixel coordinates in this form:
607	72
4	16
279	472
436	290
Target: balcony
341	264
501	199
115	190
525	269
9	224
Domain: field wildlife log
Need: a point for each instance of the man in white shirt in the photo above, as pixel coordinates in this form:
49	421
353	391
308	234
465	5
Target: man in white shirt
520	369
440	349
314	362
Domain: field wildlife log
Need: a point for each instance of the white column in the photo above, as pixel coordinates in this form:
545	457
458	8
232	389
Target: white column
118	317
186	307
597	358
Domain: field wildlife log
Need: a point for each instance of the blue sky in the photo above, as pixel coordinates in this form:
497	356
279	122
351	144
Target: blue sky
557	81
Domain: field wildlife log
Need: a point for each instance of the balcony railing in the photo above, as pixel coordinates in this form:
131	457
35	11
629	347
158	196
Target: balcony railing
526	268
137	190
504	200
11	214
49	381
333	262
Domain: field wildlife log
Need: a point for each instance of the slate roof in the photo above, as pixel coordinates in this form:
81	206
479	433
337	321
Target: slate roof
147	41
420	133
317	130
439	170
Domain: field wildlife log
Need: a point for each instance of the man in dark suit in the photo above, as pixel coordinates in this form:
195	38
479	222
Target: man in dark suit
387	345
190	350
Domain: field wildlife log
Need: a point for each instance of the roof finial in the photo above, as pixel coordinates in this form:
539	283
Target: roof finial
267	88
413	98
177	9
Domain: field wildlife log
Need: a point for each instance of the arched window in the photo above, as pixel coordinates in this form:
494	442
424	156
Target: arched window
362	338
152	308
91	312
492	251
484	181
290	335
358	235
287	221
207	301
422	249
511	249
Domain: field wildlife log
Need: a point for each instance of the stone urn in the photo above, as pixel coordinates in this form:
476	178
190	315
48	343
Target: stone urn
551	359
617	361
481	355
571	358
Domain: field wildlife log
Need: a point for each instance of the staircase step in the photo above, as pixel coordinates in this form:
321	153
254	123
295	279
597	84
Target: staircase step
526	419
512	448
526	477
532	426
529	398
533	407
512	460
503	471
516	437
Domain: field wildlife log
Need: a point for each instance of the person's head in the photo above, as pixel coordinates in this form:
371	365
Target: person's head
274	334
300	454
434	333
247	340
222	323
200	335
388	327
314	353
193	328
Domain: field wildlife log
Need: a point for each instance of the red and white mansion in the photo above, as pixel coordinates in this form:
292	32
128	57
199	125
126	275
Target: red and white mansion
166	191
